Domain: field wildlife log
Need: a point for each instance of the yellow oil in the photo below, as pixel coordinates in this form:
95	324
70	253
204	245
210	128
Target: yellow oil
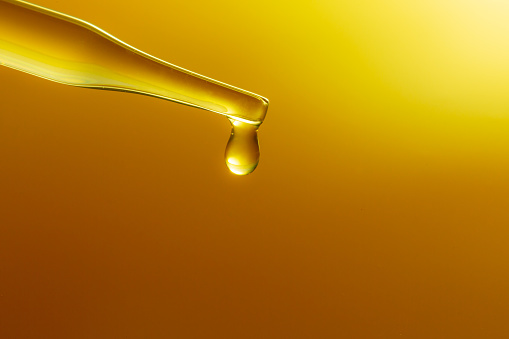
71	51
242	151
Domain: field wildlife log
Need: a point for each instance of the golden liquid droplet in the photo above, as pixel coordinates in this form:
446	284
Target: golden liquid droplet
242	151
61	48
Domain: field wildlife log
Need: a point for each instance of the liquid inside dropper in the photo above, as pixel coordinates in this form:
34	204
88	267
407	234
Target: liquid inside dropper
242	151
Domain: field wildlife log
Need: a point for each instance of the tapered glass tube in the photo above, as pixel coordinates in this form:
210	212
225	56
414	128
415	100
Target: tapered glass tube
68	50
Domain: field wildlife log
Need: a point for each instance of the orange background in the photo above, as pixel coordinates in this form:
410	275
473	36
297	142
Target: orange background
379	208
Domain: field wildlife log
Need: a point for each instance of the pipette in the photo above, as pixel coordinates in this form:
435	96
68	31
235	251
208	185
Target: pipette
62	48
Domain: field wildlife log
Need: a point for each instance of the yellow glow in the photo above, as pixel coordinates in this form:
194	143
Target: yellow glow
446	53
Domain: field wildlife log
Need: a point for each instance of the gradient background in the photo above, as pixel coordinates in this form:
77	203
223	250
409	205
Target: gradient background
379	208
